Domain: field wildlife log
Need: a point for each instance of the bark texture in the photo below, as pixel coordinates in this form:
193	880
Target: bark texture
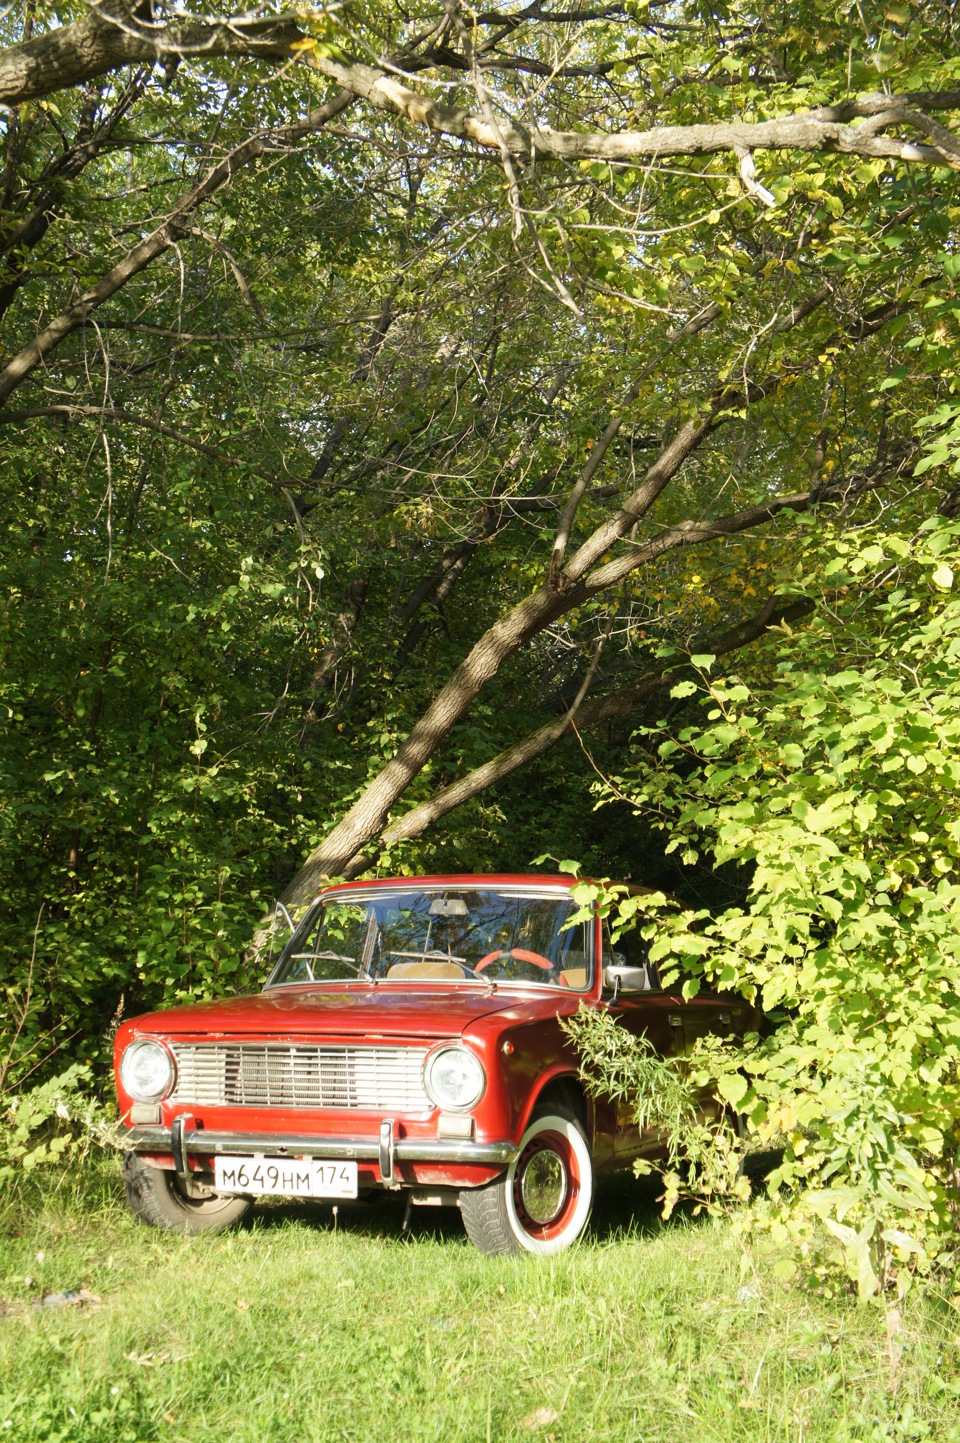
105	41
827	128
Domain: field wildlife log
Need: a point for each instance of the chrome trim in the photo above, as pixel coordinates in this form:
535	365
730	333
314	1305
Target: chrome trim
386	1150
279	907
379	1078
363	1149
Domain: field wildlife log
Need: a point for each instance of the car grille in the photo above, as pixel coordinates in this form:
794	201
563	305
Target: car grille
248	1074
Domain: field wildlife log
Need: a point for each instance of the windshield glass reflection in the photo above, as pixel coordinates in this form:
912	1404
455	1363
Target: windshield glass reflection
445	936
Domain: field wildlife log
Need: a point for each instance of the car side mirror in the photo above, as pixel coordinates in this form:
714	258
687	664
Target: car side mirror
621	978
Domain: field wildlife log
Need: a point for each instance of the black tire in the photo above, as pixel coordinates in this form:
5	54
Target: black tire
542	1202
157	1199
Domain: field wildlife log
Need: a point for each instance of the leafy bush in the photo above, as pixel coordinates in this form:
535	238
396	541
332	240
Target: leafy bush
834	778
54	1122
703	1155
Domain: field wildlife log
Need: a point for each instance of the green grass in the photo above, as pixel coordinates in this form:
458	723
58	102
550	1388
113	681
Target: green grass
302	1327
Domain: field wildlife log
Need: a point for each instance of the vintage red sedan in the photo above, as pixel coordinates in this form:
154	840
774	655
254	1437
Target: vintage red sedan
408	1038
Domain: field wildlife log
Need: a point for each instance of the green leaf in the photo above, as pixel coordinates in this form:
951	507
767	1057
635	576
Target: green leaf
732	1087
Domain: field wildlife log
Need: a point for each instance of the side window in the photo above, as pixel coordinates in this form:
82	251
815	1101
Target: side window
632	949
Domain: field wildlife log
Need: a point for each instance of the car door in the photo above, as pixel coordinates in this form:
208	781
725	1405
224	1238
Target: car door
720	1014
654	1014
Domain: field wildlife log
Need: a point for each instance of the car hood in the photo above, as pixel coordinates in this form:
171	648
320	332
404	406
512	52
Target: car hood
357	1011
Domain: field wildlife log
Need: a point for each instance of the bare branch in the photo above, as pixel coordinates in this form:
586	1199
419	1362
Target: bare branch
813	130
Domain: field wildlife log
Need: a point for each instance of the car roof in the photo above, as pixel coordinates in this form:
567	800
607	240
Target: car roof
476	879
462	879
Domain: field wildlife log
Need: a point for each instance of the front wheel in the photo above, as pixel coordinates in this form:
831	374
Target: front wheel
156	1198
542	1202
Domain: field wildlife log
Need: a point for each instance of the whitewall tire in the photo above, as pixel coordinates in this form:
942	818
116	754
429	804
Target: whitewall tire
542	1202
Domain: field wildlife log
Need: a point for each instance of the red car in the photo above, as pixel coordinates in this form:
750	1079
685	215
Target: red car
408	1038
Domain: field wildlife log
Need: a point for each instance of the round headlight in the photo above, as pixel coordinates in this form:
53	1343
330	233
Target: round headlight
146	1071
454	1078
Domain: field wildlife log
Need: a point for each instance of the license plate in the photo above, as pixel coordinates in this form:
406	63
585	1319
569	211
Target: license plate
284	1177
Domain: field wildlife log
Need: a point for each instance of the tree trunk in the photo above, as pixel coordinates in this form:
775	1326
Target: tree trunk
367	817
341	853
619	703
584	575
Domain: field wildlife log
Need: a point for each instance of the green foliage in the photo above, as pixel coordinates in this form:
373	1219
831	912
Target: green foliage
350	367
703	1153
834	779
49	1124
142	818
943	446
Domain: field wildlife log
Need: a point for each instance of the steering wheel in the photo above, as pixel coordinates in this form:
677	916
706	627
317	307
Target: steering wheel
520	953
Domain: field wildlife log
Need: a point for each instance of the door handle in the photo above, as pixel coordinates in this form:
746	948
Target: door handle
674	1020
724	1018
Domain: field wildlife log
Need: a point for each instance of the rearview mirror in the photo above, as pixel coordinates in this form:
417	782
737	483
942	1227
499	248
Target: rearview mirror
621	978
449	907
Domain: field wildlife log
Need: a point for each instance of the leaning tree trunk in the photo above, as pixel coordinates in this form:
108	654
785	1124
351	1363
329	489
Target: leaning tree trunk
585	574
617	704
368	816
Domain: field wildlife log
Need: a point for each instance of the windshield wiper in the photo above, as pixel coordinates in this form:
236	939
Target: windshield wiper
309	957
434	954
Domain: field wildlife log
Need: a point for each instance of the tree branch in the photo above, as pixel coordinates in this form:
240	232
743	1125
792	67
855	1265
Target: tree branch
91	139
812	130
619	703
367	818
103	41
173	227
719	408
694	533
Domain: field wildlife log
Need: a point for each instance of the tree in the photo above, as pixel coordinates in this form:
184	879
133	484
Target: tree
383	393
830	776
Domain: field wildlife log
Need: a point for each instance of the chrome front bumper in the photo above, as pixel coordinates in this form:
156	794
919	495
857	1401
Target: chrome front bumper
184	1142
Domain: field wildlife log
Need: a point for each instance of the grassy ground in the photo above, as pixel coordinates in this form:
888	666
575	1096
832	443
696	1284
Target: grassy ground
303	1326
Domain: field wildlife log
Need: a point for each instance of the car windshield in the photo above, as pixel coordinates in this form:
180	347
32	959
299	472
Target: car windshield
439	935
